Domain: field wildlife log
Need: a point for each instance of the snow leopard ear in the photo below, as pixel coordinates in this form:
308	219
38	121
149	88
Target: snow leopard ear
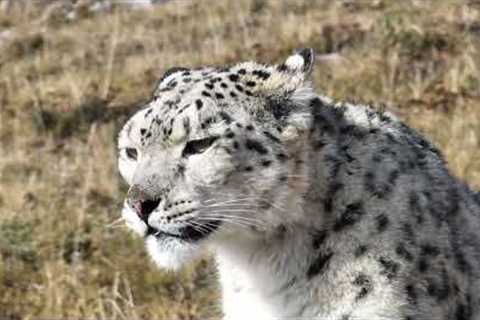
171	71
301	61
290	77
167	73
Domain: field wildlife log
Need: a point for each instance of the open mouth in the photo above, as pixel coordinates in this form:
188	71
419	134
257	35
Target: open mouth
187	233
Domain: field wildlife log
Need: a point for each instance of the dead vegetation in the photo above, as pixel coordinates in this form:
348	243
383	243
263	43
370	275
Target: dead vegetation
67	85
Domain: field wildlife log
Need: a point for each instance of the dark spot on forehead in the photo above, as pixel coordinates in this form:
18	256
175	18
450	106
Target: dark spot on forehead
271	136
430	250
186	125
261	74
422	265
408	231
254	145
382	222
365	284
411	293
282	67
390	267
225	117
281	157
360	251
279	109
403	252
319	264
148	112
352	214
199	104
242	71
439	290
233	77
319	236
266	163
461	261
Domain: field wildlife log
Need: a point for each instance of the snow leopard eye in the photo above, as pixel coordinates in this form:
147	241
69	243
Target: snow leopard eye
197	146
132	153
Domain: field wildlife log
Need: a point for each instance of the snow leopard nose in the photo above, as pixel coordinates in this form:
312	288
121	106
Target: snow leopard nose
141	202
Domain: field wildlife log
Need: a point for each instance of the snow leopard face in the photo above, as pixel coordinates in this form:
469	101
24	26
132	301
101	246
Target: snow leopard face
214	155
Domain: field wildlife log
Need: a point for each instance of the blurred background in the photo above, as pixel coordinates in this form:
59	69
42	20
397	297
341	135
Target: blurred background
72	71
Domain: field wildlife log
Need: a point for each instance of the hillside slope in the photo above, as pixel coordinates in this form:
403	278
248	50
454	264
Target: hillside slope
67	85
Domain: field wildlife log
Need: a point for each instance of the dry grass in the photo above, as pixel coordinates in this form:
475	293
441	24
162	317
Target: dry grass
66	87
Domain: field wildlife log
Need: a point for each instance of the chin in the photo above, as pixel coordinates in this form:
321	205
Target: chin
172	253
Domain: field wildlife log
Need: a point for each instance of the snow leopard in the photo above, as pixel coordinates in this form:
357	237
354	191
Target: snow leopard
312	208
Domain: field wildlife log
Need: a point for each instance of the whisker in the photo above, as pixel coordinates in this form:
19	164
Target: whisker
115	223
211	224
231	207
232	200
230	213
199	227
235	218
202	228
220	210
230	221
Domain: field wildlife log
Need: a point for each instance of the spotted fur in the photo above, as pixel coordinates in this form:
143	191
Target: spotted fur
314	209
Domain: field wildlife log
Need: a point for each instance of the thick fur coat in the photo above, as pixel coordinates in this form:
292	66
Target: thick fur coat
314	209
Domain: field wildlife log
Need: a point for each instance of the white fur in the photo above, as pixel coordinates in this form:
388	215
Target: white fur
171	254
295	62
